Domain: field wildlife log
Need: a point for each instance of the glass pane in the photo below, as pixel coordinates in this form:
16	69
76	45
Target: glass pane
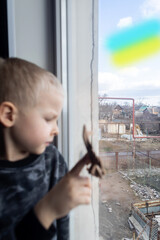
129	119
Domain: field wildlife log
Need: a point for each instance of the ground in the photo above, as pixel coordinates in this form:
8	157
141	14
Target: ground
116	195
115	201
114	145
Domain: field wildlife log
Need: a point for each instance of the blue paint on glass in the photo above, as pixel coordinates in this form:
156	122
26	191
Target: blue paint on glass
134	34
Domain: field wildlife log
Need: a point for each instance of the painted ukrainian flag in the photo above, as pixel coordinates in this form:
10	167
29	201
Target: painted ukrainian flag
135	43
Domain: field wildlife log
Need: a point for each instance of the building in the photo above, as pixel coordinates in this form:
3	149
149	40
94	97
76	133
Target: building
145	219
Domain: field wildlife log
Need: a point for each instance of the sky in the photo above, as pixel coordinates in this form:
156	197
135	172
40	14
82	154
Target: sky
139	80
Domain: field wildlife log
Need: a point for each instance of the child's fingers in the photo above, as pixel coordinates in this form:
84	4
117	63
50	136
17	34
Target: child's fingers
85	191
84	181
78	167
84	199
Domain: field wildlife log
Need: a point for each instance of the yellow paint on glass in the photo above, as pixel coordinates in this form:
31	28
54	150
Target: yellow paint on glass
137	51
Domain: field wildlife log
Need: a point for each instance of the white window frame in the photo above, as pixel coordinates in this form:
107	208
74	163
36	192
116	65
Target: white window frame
62	72
75	72
11	28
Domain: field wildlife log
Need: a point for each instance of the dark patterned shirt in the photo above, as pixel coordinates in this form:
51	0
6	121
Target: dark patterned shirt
22	184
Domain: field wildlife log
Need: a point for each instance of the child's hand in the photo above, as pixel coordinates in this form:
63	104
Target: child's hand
71	191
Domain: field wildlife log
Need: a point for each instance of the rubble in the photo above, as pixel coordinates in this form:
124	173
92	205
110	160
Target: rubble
127	239
144	192
117	203
110	209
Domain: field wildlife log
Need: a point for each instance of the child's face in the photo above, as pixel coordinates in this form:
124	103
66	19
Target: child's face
36	128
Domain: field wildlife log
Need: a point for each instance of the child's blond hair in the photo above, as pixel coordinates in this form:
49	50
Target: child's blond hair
21	82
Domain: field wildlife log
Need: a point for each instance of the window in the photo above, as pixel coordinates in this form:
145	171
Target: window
129	120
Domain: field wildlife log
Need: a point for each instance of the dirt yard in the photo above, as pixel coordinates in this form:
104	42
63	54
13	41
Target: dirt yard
116	194
113	145
115	201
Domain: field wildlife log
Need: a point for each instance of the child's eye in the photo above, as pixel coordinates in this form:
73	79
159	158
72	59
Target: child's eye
48	119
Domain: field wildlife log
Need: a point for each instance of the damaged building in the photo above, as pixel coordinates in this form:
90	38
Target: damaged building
145	219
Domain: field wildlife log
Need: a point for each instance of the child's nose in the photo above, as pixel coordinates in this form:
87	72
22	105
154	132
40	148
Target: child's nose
55	130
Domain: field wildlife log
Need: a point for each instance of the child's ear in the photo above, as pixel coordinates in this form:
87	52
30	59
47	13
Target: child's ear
8	113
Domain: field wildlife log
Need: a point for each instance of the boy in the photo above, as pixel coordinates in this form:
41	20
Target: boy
36	194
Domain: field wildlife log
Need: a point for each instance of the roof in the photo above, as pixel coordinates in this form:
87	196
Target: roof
143	108
118	107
